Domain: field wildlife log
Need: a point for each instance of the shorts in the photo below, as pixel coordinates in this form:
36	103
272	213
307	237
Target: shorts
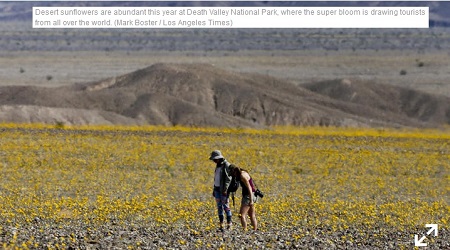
246	200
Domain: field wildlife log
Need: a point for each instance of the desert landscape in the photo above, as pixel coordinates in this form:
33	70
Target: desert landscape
353	77
412	80
346	130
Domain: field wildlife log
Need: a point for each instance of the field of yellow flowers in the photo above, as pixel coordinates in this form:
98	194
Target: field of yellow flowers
150	187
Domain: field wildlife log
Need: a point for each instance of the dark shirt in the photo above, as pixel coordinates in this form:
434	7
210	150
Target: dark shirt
245	189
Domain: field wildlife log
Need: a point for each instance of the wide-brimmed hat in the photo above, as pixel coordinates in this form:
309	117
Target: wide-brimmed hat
216	154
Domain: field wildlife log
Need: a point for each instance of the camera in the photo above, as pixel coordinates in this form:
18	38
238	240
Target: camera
259	193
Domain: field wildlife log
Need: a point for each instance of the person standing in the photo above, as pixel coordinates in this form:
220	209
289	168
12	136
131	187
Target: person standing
248	197
222	179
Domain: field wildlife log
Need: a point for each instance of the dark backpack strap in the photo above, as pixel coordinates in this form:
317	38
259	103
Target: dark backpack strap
232	197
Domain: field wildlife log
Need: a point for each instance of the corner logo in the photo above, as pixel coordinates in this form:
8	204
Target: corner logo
419	242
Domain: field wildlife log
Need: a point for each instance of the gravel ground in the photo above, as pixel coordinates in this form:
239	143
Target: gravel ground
111	236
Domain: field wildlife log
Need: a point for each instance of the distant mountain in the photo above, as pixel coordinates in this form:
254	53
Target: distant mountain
203	95
387	98
20	11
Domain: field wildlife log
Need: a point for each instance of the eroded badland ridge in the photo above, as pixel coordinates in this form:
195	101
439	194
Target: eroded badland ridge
260	77
204	95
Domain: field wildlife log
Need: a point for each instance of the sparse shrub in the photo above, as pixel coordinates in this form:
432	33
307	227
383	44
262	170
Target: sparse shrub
49	77
59	125
21	70
298	170
403	72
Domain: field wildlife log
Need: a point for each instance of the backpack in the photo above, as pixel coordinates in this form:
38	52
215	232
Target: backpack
234	184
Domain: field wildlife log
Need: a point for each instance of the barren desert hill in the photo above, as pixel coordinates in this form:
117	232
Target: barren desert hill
398	100
204	95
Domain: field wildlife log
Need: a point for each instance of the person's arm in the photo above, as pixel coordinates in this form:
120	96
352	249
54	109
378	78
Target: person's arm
226	178
246	179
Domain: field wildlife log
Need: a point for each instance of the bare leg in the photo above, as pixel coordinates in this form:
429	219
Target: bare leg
243	214
252	213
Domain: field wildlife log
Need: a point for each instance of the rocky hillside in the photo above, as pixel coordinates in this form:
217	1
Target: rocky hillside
203	95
